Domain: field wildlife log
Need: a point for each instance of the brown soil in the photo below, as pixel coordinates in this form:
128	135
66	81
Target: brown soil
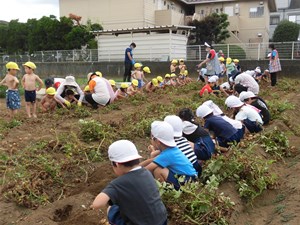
279	206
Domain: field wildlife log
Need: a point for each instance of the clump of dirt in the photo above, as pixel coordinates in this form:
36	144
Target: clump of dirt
63	213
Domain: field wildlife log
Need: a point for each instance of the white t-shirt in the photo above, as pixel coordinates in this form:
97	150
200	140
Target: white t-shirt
247	81
247	112
235	123
225	85
101	95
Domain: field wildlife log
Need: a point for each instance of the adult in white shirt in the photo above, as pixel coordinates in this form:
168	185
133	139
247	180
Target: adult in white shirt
245	82
245	113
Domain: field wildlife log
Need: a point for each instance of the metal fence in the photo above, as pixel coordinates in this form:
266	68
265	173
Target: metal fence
247	51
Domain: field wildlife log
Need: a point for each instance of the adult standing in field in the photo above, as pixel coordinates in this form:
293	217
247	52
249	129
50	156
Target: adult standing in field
211	61
69	84
129	61
274	65
101	92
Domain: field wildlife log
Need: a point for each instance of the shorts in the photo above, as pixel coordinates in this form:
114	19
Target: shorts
140	83
173	180
114	216
204	148
236	138
30	96
13	100
252	126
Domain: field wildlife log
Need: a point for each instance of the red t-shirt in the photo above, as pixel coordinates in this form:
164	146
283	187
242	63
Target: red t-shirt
206	87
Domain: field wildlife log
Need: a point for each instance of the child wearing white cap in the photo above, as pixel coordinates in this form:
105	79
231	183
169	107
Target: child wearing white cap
134	194
207	89
201	141
245	113
224	132
251	99
182	143
171	163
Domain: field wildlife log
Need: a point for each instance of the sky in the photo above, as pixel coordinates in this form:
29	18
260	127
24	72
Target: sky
27	9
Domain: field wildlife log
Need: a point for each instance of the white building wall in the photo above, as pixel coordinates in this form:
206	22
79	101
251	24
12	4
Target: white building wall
154	47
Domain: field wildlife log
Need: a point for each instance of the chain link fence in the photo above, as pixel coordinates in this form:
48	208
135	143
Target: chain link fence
247	51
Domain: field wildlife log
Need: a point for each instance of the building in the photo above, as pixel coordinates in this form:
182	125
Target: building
287	10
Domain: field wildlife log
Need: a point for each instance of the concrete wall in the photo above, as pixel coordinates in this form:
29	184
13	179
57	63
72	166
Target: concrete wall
116	69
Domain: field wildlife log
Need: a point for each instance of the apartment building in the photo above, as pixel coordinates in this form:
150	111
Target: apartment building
287	10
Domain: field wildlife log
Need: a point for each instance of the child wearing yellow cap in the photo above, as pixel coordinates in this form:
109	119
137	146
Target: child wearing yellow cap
182	67
13	101
121	93
167	80
173	66
152	85
29	81
113	85
230	67
49	102
138	74
132	89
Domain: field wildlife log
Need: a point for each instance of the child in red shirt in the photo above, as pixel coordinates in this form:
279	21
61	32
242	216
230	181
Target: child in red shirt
207	89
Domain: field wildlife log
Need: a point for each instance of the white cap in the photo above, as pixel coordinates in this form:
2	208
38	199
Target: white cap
231	79
216	109
207	45
266	70
233	102
212	80
250	72
216	77
246	94
257	70
203	111
188	127
123	151
163	132
176	123
70	80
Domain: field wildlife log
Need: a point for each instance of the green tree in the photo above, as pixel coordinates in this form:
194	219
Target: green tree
286	31
212	28
16	37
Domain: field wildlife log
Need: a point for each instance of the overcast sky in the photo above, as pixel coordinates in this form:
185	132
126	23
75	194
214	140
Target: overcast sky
25	9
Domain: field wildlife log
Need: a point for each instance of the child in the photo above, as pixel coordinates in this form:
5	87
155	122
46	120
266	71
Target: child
133	196
121	93
113	85
49	102
138	74
132	89
230	67
170	163
187	78
223	69
70	96
207	89
29	84
182	67
223	131
182	143
167	80
160	81
200	139
257	74
13	101
173	80
173	66
237	65
251	99
245	113
152	85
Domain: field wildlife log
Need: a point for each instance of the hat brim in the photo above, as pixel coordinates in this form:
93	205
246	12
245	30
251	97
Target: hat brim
127	159
169	143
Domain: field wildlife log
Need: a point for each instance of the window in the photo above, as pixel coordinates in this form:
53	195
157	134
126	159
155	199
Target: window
274	20
217	10
202	12
229	10
256	12
295	18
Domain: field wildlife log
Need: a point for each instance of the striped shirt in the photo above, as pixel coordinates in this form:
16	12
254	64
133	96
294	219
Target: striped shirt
184	146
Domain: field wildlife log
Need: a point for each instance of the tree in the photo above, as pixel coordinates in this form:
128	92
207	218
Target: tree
286	31
212	28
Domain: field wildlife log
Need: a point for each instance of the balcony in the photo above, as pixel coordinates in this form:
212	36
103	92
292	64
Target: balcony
168	17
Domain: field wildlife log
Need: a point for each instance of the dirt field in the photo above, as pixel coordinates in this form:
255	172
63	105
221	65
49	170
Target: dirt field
50	176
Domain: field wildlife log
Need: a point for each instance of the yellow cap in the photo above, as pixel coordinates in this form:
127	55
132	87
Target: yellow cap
181	60
51	91
160	79
12	66
167	75
30	65
186	73
87	88
236	60
99	74
124	85
112	82
135	82
221	59
137	65
146	69
173	75
155	82
174	61
228	60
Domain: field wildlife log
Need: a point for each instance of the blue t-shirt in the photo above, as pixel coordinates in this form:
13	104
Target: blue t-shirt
127	60
173	159
220	127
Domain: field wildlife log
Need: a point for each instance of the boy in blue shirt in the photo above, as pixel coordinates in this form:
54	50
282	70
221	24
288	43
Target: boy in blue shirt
170	163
